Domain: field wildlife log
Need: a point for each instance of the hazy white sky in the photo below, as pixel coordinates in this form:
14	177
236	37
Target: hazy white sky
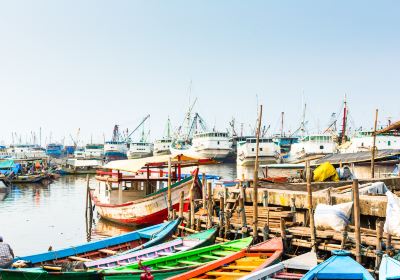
70	64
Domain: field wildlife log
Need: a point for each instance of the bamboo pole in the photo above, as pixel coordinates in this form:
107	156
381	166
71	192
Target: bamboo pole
181	204
283	231
388	244
191	212
242	200
255	178
221	216
169	200
379	236
357	220
204	185
310	208
374	146
209	205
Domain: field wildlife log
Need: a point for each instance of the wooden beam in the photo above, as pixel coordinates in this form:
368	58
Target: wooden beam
255	177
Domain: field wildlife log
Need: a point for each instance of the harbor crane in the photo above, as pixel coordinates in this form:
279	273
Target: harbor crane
128	137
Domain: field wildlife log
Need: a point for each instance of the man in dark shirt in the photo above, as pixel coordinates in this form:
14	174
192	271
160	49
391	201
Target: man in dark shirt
6	254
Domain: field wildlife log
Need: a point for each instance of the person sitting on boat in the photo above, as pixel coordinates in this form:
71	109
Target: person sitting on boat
6	254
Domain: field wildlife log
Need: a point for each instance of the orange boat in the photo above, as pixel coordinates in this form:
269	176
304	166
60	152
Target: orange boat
240	264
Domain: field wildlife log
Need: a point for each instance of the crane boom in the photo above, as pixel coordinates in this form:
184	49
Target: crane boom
140	124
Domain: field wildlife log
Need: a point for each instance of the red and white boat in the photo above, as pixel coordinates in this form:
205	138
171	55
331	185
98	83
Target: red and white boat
149	210
132	197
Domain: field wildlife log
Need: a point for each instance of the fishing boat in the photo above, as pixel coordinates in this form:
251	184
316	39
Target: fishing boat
239	264
115	150
140	149
29	178
339	266
54	150
190	242
389	269
135	240
291	269
363	141
138	208
310	147
162	146
75	166
168	266
27	151
246	151
94	151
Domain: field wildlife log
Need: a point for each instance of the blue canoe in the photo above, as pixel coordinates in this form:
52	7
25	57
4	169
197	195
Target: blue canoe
389	269
339	266
135	240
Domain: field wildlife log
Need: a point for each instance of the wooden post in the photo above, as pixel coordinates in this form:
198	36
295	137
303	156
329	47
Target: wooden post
204	184
329	196
345	235
221	216
379	236
388	244
311	208
374	146
255	178
357	220
181	203
87	195
191	212
169	200
148	187
283	231
209	205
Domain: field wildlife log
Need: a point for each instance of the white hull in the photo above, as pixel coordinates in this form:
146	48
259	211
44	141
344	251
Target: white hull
133	155
250	161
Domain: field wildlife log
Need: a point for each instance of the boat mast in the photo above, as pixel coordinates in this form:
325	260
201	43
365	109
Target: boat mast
344	124
283	113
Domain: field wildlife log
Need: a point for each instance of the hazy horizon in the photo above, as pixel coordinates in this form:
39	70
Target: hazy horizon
66	65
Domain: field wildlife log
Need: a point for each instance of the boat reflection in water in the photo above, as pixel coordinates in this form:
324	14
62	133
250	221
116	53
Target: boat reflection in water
101	228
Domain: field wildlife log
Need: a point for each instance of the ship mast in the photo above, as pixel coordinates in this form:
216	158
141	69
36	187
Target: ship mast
283	114
344	124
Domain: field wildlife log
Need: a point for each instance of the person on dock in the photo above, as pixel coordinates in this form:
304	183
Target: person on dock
6	254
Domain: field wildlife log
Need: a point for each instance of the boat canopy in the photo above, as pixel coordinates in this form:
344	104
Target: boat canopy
134	165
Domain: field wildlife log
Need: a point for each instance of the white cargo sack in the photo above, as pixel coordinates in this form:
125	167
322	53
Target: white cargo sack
392	223
334	217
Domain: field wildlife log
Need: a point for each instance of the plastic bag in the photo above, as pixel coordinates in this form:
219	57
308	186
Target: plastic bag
334	217
392	223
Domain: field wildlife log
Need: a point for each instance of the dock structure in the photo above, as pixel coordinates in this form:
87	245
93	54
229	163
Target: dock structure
283	210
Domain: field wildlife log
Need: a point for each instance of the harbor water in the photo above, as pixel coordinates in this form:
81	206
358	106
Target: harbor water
34	217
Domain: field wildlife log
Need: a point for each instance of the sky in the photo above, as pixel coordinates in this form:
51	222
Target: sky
69	65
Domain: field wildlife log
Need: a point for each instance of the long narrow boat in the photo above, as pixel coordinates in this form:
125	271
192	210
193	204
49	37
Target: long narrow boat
151	209
240	264
190	242
136	240
291	269
168	266
36	178
339	266
389	269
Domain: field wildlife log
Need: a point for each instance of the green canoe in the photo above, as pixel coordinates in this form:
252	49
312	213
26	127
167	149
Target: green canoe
164	267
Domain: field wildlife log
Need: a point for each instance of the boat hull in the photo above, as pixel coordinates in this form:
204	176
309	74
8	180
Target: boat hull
34	275
147	211
250	161
111	155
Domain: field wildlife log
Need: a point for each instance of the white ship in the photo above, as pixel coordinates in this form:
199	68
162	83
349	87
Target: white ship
94	151
215	145
162	146
140	150
246	151
26	151
363	141
311	147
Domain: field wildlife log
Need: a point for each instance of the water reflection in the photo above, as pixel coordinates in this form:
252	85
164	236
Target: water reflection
36	216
